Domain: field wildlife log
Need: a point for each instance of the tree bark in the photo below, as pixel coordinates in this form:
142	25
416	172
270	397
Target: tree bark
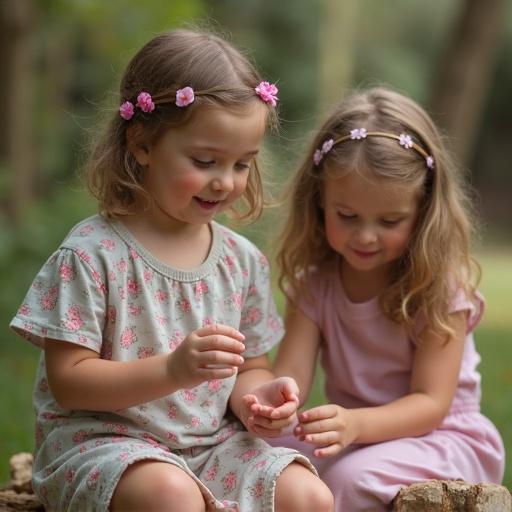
465	72
16	22
336	47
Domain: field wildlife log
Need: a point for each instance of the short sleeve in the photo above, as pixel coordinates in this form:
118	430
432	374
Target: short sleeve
260	322
475	308
310	301
66	301
460	302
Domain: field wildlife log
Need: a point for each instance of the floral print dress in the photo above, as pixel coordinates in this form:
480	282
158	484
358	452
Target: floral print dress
102	290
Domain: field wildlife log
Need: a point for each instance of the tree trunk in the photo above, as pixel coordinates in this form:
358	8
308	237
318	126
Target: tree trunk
336	47
465	71
16	22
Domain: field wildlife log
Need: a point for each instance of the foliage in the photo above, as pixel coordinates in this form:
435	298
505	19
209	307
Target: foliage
81	47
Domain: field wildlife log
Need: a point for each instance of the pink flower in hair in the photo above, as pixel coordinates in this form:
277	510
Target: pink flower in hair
430	162
318	155
126	110
358	133
145	102
267	92
185	96
327	146
405	141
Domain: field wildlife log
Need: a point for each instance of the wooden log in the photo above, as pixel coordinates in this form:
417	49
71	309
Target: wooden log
18	494
453	496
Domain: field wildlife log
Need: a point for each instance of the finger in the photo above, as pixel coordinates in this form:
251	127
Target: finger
219	342
323	438
285	410
272	424
291	390
318	413
327	451
217	358
220	329
216	373
319	426
251	402
264	410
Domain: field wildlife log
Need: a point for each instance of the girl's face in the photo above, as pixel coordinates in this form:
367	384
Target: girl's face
369	223
199	169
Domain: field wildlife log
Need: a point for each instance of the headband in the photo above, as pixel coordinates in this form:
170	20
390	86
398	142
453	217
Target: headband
184	97
403	139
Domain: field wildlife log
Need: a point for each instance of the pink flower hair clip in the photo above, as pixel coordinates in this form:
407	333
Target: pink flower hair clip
185	96
268	93
144	103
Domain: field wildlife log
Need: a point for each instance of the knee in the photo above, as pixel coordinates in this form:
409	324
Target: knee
157	486
300	490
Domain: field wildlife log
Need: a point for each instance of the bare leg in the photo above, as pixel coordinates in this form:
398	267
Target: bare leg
299	490
151	485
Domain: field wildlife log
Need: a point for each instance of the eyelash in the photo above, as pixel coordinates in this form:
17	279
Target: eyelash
388	223
205	164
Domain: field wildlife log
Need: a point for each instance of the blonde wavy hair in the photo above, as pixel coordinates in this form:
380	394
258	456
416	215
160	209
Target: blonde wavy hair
220	76
437	261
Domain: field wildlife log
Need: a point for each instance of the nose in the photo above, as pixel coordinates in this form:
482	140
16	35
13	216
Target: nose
366	235
224	181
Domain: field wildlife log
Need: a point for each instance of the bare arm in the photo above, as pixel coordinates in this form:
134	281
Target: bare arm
298	351
433	384
434	380
80	379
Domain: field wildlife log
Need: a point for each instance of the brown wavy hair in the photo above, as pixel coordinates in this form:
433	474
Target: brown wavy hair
220	76
437	261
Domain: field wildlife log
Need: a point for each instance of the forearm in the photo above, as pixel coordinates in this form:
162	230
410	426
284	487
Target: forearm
413	415
102	385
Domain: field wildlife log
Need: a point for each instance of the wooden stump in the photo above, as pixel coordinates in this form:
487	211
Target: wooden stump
453	496
18	494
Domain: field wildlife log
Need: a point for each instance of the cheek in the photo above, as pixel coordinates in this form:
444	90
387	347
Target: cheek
335	232
398	240
240	184
186	182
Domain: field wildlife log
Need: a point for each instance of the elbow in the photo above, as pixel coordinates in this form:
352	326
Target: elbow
62	394
438	411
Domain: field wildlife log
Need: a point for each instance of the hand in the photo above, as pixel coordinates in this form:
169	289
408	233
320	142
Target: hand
211	352
330	427
271	407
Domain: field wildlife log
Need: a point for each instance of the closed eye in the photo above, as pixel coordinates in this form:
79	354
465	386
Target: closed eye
242	166
202	164
393	222
345	216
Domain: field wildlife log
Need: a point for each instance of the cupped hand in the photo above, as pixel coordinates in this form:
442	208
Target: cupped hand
330	427
211	352
271	407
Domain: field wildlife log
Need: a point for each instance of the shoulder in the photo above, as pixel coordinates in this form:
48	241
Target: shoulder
89	232
95	244
236	245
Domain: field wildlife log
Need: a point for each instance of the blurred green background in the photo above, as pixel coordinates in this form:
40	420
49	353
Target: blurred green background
61	61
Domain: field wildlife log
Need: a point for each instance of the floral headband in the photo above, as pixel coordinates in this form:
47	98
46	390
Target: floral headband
403	139
184	97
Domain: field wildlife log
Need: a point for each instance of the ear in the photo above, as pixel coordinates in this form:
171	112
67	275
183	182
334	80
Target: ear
137	144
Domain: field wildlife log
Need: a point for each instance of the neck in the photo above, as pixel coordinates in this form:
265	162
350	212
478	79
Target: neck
361	286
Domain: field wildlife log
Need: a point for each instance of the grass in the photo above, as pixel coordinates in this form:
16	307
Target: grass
18	361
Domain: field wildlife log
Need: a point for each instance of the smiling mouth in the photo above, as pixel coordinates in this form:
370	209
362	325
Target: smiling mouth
207	205
365	254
